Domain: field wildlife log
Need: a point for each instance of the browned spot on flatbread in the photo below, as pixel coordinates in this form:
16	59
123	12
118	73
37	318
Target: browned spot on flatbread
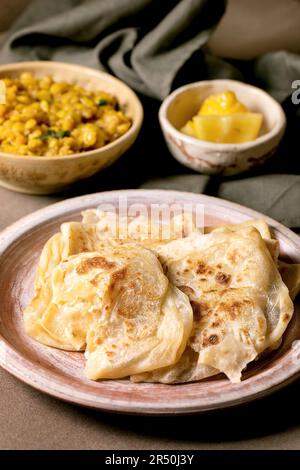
286	317
213	339
94	281
261	322
223	278
245	336
117	276
110	353
233	256
127	311
186	290
129	325
76	333
233	309
96	262
201	268
210	341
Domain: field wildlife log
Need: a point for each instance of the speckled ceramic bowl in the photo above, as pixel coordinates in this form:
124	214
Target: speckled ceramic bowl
209	157
44	175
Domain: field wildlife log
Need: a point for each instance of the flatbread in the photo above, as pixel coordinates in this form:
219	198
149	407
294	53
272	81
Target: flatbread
260	225
219	304
115	302
151	331
141	229
241	306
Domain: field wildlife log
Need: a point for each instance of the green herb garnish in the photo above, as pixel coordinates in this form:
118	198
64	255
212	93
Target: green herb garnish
102	102
55	134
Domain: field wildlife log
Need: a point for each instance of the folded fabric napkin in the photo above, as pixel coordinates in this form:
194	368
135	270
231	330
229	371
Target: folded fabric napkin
144	42
150	44
275	195
155	46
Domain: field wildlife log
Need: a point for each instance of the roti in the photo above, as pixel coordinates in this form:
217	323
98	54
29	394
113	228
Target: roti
115	303
162	302
241	305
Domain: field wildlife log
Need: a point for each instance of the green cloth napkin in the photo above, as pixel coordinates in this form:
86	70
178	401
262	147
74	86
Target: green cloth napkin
155	46
144	42
275	195
152	45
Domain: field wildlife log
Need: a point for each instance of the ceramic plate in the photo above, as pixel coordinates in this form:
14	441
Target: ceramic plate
60	373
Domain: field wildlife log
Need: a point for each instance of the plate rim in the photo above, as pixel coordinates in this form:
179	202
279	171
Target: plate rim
18	364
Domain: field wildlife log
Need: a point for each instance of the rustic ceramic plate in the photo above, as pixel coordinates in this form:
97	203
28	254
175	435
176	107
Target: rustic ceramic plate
60	373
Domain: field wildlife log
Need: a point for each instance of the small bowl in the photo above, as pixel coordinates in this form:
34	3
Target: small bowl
45	175
210	157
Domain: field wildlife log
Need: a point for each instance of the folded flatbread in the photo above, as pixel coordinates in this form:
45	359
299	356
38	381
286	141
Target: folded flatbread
149	232
241	305
162	302
114	302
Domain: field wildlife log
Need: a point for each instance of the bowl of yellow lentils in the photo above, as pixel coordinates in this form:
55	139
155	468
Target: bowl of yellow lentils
60	123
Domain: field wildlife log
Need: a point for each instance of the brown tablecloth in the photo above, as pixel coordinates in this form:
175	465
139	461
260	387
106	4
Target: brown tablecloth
32	420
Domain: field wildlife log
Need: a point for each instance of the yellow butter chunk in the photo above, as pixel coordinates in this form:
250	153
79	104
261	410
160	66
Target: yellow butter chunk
231	129
222	104
222	118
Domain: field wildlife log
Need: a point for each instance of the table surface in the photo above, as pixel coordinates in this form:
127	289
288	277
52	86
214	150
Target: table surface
30	419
